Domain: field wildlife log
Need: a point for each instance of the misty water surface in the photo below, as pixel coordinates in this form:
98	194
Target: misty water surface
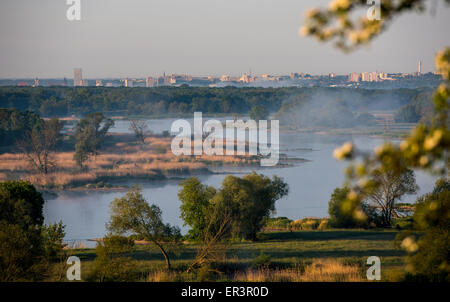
311	183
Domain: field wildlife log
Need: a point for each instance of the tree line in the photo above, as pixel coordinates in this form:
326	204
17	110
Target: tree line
66	101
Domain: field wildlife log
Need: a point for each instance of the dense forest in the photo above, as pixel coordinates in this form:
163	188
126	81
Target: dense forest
67	101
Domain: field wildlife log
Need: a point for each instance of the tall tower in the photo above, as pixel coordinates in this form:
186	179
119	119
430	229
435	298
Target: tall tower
128	82
420	68
77	77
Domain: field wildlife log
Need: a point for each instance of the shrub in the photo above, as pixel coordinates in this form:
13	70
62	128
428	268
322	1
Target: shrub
324	224
110	264
160	149
53	236
277	223
343	219
262	261
306	224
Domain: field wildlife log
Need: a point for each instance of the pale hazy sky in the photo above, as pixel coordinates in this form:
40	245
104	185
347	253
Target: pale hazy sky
138	38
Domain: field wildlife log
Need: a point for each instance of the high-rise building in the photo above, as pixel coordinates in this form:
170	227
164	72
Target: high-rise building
355	77
77	77
36	82
128	82
150	82
244	78
84	83
225	78
420	68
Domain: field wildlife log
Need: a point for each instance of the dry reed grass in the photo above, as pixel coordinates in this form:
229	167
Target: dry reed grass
143	161
319	271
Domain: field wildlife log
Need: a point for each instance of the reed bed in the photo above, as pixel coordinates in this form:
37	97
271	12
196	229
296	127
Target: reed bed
319	271
147	160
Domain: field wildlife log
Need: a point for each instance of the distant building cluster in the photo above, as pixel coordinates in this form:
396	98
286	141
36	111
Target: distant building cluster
380	76
366	77
297	79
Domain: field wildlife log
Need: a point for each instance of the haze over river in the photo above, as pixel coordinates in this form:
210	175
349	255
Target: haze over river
311	183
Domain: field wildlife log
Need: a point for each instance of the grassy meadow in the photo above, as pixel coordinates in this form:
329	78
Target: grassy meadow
331	255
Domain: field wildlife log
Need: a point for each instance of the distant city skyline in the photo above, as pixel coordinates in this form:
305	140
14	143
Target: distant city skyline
138	39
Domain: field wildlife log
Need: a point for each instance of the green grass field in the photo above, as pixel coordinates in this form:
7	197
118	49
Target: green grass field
286	250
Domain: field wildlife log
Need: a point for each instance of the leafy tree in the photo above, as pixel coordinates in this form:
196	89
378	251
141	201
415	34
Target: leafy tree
90	133
427	147
195	205
52	239
340	218
250	200
20	231
390	186
132	214
15	125
407	114
258	112
429	256
212	246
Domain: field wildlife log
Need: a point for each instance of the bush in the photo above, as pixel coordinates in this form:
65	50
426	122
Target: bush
53	236
324	224
306	224
277	223
110	264
160	149
342	219
262	261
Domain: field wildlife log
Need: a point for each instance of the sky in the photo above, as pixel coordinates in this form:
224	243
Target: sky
139	38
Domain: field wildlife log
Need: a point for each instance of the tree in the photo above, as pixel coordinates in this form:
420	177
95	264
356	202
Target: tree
14	125
20	231
340	218
258	112
40	143
210	222
195	205
427	147
250	200
407	114
430	254
218	223
132	214
140	129
90	133
390	186
52	239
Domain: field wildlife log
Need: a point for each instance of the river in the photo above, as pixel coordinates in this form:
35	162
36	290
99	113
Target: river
311	183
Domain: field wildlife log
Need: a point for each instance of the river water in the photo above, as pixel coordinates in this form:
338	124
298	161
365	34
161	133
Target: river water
311	183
